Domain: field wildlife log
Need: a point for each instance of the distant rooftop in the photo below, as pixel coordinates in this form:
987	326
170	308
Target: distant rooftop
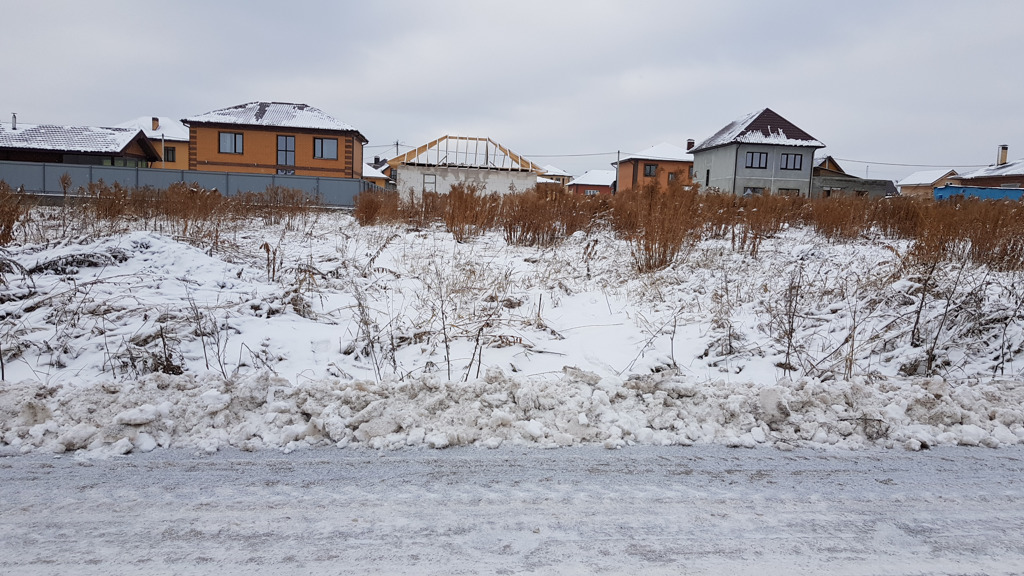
1015	168
551	170
595	178
167	128
85	139
661	151
926	177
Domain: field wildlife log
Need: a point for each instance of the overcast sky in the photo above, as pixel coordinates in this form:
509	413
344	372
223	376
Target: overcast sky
902	82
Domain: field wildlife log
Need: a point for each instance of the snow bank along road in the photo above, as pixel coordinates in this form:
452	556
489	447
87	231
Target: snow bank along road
514	510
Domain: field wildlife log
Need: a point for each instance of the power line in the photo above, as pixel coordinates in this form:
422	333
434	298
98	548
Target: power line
568	155
913	165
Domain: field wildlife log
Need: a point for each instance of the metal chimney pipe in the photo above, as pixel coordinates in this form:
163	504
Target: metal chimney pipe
1001	155
14	121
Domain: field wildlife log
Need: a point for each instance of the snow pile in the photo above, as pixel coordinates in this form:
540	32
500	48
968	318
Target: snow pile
323	332
263	411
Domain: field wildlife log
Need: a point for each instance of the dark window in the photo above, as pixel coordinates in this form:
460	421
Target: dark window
789	191
231	143
671	176
757	159
650	170
792	162
752	191
429	183
169	155
707	179
286	150
325	148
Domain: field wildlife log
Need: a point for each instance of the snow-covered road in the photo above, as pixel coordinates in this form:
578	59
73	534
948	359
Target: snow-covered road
515	510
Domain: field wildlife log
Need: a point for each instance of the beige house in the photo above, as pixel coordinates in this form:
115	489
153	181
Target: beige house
923	184
168	136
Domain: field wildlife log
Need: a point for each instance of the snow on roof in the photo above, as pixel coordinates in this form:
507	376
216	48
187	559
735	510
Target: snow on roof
466	152
661	151
926	177
543	180
167	128
595	178
282	114
761	127
555	171
371	172
1015	168
89	139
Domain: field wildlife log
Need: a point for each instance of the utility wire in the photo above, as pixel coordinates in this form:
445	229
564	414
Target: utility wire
913	165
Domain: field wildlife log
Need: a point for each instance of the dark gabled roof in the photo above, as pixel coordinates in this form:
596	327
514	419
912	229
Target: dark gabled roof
761	127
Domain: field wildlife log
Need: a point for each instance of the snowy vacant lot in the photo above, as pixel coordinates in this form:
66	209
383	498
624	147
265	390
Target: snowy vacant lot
312	331
516	510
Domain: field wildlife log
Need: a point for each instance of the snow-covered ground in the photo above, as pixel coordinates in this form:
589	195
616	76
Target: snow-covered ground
320	332
516	510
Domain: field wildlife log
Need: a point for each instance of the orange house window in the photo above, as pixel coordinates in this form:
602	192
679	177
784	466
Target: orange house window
231	143
325	148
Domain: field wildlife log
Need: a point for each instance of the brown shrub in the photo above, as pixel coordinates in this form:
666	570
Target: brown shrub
657	224
470	211
376	207
13	208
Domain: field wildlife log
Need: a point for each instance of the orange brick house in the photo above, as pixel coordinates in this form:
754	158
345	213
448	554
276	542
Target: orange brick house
274	138
663	165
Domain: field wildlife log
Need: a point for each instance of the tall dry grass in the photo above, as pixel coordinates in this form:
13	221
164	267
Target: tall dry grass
470	211
658	224
14	207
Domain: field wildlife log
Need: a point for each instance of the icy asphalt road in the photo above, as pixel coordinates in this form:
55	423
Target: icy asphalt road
640	510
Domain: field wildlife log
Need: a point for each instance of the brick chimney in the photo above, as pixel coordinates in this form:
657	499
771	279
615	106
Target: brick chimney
1001	155
689	144
156	123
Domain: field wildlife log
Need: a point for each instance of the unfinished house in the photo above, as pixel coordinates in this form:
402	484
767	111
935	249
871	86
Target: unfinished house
436	166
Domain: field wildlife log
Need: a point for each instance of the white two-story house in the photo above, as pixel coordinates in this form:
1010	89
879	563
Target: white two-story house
761	153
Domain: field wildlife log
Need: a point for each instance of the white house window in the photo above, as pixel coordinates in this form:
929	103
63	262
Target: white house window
325	148
230	143
792	162
757	160
429	183
591	192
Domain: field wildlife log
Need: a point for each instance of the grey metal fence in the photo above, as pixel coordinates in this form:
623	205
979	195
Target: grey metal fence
44	178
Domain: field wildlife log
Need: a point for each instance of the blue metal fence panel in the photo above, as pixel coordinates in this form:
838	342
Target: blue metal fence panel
44	178
946	192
